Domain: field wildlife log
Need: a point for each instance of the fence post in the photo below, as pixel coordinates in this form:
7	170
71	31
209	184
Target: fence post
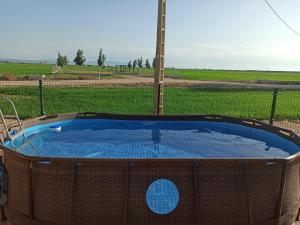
41	97
274	103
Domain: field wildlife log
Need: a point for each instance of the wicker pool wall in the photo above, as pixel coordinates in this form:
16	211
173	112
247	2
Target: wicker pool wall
62	191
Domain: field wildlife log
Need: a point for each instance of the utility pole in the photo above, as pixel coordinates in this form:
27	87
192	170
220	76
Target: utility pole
160	59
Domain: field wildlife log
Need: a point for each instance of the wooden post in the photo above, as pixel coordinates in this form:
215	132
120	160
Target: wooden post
160	59
42	106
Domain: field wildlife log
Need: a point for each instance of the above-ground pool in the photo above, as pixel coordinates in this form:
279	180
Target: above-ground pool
99	169
106	138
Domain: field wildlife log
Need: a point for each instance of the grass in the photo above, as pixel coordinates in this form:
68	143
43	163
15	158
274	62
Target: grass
24	69
229	75
192	74
240	103
236	75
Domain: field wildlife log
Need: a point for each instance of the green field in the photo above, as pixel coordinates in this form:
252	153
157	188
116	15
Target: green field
24	69
229	75
192	74
241	103
225	75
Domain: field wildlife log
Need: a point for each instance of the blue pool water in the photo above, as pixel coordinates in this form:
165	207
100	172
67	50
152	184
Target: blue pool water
101	138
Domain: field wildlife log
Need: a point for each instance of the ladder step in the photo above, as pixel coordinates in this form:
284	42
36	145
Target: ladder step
10	117
13	125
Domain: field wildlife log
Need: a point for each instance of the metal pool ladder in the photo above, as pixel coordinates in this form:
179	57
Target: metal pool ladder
10	129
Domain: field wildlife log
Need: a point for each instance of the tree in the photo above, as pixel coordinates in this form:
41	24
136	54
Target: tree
147	64
140	62
129	65
62	60
154	63
65	60
79	59
135	62
101	58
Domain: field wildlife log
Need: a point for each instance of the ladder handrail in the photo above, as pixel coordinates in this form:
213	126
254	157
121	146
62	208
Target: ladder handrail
15	111
4	124
2	117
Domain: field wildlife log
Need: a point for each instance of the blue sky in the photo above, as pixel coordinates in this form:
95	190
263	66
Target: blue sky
226	34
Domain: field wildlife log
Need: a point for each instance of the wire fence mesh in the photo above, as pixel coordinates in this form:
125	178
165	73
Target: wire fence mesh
91	95
288	110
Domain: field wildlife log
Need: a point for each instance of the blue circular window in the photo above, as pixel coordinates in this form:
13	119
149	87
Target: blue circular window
162	196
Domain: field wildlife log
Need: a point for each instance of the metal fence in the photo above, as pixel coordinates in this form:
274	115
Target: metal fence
35	98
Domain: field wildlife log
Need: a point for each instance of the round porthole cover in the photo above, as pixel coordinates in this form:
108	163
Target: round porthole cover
162	196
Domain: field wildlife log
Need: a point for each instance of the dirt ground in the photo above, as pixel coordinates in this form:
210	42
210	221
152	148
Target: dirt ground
135	81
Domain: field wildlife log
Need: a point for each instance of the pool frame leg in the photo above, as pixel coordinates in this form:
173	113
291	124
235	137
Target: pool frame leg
2	211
